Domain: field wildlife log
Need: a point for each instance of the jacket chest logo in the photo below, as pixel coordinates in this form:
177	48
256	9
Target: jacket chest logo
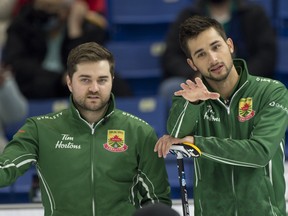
115	141
245	109
67	142
210	115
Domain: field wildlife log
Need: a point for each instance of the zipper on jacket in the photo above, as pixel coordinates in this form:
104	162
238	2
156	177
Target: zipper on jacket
92	127
92	173
232	171
228	108
92	167
92	156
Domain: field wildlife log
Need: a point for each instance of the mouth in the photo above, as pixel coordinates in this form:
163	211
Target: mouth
216	68
93	97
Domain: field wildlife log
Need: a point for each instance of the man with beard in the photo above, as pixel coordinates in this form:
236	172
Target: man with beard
238	121
92	159
253	36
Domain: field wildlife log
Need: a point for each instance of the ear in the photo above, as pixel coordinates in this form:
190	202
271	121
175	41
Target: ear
69	83
230	45
192	65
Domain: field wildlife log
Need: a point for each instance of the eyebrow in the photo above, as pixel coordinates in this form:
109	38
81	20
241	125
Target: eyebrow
88	76
200	50
105	76
83	75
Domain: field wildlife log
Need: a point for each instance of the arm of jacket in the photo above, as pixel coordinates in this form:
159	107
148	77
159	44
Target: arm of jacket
14	106
19	154
183	117
152	175
264	140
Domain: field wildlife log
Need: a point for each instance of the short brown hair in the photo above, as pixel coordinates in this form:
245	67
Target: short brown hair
89	52
195	25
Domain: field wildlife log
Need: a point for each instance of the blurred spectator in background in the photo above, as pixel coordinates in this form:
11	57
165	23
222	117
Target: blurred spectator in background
6	11
13	105
248	24
40	38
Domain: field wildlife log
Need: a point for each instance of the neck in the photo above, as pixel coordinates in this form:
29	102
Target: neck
94	116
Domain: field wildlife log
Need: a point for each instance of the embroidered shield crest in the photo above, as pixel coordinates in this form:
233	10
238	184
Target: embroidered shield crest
115	141
246	111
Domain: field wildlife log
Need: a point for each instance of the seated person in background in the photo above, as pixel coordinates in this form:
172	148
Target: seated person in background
6	8
13	106
39	39
249	26
97	12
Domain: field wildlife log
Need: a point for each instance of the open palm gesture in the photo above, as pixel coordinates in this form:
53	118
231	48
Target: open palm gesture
195	91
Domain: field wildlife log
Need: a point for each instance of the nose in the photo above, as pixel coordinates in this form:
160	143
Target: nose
212	57
94	87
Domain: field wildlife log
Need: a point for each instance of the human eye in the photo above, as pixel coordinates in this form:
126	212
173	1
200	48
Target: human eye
102	81
84	80
201	55
216	47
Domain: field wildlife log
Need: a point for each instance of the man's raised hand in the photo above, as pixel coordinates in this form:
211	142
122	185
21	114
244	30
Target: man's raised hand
196	91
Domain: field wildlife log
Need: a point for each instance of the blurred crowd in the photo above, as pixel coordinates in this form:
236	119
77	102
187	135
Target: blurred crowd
37	35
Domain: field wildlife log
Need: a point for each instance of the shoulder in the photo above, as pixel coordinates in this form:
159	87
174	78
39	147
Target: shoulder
130	118
263	81
129	121
51	117
268	87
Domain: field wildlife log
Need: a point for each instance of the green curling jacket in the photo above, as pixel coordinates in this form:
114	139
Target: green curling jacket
241	170
105	169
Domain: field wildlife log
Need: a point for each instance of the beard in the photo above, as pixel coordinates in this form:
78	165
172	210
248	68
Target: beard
228	69
86	104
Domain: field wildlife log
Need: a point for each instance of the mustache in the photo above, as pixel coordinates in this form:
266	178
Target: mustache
218	64
89	94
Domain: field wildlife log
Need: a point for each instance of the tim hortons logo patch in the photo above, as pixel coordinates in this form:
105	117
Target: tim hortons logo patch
246	111
115	141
